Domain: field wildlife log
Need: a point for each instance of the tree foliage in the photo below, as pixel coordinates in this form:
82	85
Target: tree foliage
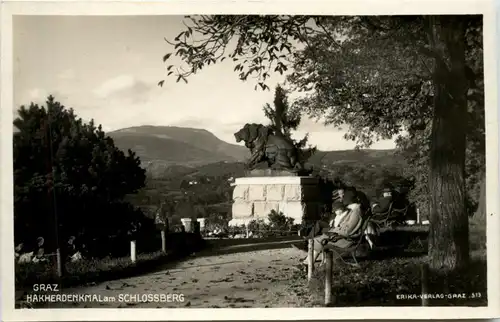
259	45
285	119
366	72
383	76
68	174
384	88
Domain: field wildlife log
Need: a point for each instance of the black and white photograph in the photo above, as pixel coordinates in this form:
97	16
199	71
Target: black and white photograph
177	160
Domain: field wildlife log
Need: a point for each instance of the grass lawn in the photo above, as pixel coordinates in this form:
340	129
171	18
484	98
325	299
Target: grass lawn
85	271
389	273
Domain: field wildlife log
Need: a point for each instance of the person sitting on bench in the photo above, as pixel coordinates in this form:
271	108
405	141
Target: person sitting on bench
348	221
348	201
389	196
383	204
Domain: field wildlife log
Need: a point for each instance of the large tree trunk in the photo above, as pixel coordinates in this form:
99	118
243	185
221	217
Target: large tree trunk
448	239
480	215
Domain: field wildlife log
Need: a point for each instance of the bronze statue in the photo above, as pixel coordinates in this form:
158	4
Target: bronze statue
265	145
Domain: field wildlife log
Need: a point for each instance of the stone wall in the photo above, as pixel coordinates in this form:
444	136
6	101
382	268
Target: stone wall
255	197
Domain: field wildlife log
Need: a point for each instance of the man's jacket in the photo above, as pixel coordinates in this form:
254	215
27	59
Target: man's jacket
382	205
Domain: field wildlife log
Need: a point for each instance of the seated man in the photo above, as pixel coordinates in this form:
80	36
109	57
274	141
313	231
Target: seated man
383	204
381	207
347	223
40	252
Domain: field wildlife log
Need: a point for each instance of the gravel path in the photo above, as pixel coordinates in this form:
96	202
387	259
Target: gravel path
263	278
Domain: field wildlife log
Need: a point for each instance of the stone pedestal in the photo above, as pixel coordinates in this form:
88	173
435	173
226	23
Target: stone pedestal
254	198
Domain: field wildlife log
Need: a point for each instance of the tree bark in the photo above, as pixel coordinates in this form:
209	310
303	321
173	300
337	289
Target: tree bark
480	215
449	232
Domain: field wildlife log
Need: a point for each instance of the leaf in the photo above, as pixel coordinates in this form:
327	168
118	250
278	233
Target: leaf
170	73
167	56
160	83
170	67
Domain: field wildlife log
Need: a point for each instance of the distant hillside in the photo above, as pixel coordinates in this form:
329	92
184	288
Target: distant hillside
167	145
365	157
168	150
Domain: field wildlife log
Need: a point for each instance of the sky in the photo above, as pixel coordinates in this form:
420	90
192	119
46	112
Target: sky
107	69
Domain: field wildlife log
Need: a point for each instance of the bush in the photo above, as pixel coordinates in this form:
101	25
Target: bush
277	225
259	228
236	230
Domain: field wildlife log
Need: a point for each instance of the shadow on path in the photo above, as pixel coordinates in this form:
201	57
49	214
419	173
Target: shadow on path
180	267
247	245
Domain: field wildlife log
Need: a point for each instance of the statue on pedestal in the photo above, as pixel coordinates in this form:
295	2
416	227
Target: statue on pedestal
278	151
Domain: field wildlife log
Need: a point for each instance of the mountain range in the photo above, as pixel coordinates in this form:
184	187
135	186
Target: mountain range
177	145
161	147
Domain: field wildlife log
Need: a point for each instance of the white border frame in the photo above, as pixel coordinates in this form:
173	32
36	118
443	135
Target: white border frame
176	7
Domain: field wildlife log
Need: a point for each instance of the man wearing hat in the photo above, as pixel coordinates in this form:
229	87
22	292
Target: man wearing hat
389	196
383	204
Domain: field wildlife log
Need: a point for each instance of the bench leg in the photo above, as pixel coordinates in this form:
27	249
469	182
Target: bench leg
310	259
353	254
328	277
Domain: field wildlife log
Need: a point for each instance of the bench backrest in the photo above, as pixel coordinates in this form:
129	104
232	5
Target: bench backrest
379	217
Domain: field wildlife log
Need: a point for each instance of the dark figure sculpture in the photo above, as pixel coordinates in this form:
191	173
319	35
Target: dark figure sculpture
266	146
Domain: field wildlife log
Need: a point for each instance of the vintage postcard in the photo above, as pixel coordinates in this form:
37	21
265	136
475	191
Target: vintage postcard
293	160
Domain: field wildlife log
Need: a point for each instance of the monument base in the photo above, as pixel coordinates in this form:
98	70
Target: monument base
255	197
262	173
